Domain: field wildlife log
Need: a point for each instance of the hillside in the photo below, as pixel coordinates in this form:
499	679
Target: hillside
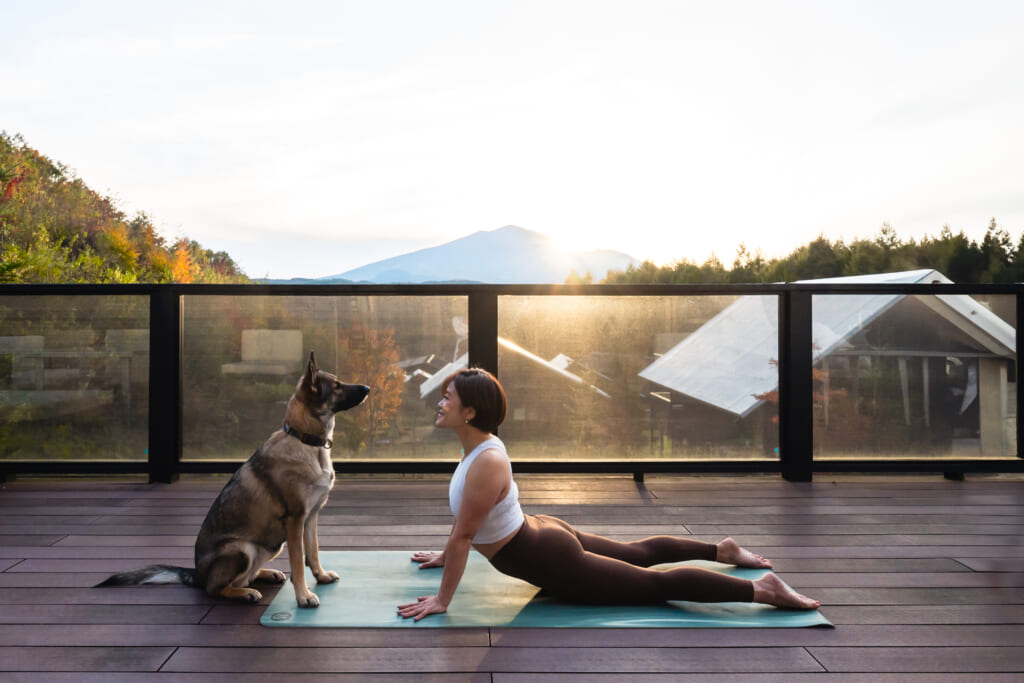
55	229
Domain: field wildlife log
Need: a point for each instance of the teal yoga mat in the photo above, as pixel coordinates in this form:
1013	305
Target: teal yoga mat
374	583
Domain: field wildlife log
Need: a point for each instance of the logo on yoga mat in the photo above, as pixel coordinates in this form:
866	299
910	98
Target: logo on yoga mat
280	616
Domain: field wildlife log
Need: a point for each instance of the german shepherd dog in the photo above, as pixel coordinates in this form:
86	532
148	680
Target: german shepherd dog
274	497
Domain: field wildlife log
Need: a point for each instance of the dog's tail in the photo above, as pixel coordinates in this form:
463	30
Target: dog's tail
153	574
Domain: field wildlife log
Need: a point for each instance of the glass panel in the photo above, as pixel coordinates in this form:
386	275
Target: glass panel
599	377
74	377
244	355
915	376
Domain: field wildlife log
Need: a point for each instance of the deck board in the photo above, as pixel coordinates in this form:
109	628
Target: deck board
921	576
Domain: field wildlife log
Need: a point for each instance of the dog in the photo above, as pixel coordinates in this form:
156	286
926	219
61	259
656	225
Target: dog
273	498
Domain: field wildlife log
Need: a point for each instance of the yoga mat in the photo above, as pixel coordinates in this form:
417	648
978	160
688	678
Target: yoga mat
374	583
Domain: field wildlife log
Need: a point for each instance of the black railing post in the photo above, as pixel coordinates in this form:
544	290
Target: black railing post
1016	368
796	403
483	330
165	414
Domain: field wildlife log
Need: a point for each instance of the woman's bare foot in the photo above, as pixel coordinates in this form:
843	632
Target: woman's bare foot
770	590
730	552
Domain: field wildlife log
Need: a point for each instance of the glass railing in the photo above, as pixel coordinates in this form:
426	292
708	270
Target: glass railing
242	357
74	377
640	377
920	377
789	378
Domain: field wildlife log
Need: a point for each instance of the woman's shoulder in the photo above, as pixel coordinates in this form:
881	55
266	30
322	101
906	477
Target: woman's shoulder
491	443
493	449
495	442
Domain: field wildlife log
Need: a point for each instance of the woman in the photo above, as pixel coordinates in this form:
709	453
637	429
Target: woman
548	552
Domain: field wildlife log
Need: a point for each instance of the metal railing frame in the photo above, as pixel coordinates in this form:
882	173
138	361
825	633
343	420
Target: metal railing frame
796	459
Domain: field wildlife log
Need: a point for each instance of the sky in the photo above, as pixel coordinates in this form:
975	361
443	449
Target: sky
306	139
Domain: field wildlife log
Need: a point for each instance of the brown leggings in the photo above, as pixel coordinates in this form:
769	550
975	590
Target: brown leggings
584	568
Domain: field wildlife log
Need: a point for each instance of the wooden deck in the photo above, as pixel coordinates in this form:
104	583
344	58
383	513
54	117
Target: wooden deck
922	577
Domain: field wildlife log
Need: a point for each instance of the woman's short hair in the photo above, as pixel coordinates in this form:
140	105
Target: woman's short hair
480	390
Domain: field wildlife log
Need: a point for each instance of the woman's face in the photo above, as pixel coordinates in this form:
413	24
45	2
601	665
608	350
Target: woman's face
450	411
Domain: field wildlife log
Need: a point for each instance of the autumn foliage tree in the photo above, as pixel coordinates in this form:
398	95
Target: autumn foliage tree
55	229
370	356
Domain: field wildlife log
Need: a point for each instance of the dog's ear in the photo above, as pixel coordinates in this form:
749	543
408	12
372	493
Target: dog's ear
311	371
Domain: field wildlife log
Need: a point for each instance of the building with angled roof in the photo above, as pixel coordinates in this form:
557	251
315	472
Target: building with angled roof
931	371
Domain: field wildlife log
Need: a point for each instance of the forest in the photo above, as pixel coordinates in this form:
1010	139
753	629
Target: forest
996	259
55	229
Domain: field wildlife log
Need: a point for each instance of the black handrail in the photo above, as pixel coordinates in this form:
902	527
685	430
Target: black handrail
796	461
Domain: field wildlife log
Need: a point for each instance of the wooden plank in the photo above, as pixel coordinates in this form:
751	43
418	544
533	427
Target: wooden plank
369	660
865	517
853	529
110	595
848	636
129	540
887	551
33	580
761	678
924	614
141	677
180	554
24	520
919	596
34	540
84	658
92	615
73	565
866	565
905	580
991	564
152	634
136	536
839	540
937	659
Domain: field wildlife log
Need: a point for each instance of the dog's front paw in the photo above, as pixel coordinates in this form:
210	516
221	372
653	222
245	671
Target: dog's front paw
271	575
327	577
252	595
308	600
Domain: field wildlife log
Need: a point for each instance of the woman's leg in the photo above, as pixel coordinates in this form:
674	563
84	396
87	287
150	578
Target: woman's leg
649	551
665	549
588	577
549	553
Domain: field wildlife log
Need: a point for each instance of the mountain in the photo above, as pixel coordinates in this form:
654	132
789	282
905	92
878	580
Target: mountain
509	255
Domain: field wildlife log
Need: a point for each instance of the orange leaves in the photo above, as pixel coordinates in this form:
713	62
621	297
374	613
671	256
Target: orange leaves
181	263
371	357
9	181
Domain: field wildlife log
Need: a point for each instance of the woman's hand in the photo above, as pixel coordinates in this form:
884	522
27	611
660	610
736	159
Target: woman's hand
424	605
428	559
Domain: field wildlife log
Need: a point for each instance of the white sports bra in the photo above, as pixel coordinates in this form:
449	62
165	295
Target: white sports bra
506	516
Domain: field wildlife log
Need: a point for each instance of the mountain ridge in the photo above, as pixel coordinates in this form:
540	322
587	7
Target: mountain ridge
508	255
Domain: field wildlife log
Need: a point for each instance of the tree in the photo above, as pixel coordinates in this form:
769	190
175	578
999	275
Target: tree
996	253
181	265
370	356
575	278
54	228
996	259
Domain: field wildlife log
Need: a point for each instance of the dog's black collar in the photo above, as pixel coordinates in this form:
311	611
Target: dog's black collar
307	439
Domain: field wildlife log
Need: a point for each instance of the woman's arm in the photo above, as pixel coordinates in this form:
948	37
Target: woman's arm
486	481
